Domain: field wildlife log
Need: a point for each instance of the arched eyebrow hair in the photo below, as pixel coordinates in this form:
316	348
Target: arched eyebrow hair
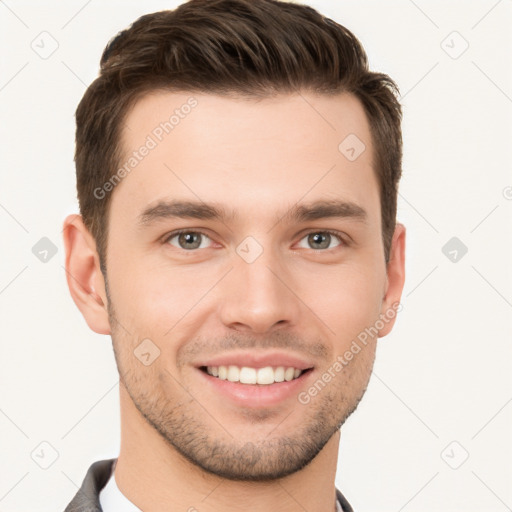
180	209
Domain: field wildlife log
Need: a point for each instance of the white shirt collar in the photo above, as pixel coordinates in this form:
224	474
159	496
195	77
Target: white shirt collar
113	500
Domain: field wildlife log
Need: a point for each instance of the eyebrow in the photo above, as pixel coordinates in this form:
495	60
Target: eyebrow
316	210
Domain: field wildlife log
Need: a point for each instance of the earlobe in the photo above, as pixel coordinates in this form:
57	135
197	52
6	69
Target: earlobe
395	281
83	274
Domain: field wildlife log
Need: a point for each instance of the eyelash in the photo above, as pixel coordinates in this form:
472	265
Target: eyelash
337	234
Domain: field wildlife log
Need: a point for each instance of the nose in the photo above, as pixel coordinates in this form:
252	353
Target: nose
258	296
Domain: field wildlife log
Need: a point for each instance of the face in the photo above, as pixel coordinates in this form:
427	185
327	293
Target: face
244	258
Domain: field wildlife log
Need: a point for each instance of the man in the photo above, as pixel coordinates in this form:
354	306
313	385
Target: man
237	170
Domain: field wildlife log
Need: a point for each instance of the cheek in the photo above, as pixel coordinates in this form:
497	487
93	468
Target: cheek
348	302
165	304
146	299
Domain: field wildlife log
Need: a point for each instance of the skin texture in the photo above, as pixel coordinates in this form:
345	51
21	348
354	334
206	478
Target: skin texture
181	441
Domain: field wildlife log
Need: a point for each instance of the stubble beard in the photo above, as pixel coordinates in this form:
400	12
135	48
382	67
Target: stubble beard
196	431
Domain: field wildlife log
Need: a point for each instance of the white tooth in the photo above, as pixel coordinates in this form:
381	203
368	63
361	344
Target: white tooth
223	372
279	374
233	373
247	375
288	374
266	375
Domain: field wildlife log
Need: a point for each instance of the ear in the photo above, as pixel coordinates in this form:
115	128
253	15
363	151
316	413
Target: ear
395	280
83	274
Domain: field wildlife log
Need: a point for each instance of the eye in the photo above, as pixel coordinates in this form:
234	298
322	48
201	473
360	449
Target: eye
322	240
188	240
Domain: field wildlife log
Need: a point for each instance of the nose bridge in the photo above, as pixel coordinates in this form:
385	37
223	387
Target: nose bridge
256	296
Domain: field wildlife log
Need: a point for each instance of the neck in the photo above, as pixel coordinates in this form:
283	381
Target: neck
154	476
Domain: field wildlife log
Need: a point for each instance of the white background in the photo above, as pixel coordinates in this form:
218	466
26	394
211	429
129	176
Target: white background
443	375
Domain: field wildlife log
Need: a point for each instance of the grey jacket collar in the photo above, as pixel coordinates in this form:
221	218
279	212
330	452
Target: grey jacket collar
87	499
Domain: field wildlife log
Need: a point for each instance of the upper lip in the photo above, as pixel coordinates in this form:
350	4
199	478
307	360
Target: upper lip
258	360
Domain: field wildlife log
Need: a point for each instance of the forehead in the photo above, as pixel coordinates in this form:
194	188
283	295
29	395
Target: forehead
253	154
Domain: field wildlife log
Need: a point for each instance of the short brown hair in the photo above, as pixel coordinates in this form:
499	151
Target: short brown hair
256	48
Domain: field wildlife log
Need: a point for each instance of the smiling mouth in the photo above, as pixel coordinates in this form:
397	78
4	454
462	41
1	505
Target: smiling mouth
255	376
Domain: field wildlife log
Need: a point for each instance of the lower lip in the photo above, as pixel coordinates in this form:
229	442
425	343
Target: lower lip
256	395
